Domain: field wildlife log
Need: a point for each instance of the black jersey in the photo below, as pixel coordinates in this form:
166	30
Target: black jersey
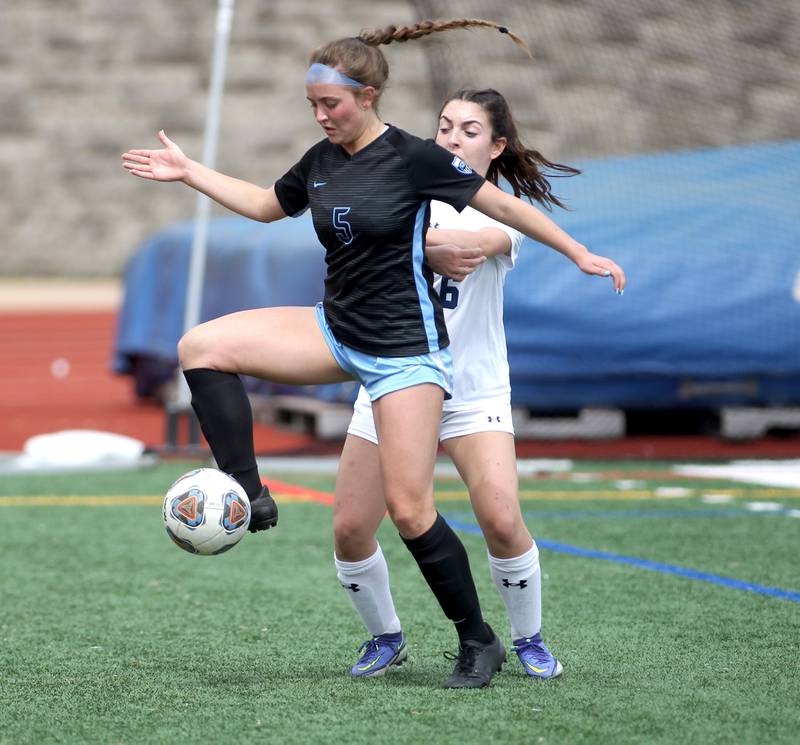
371	213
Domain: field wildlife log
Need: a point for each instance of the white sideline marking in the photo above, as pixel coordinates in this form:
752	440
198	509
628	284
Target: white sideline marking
763	506
672	492
716	498
780	473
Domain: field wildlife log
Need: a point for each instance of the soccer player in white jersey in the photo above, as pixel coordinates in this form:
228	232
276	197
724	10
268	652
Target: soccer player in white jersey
476	429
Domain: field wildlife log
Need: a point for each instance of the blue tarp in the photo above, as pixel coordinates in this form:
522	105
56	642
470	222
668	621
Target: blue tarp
249	265
709	241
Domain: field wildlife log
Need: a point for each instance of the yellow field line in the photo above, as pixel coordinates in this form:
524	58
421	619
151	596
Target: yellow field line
444	496
77	501
108	501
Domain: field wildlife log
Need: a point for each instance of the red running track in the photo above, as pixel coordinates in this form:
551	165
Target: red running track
36	396
40	393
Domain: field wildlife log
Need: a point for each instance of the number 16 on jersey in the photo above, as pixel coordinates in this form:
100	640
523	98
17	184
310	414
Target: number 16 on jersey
448	294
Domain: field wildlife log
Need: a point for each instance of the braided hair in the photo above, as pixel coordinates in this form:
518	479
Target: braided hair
423	28
359	58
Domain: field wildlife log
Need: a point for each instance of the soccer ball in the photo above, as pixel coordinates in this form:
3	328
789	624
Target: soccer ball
206	512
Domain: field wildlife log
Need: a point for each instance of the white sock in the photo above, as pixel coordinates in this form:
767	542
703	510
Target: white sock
520	584
367	584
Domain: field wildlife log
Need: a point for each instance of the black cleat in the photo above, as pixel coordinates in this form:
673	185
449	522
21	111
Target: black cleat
263	512
476	663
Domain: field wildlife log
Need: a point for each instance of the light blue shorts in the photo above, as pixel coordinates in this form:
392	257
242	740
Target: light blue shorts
382	375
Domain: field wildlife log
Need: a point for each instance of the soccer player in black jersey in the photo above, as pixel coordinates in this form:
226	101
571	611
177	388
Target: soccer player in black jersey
368	186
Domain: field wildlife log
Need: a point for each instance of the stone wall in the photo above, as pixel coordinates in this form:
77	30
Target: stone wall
621	77
83	80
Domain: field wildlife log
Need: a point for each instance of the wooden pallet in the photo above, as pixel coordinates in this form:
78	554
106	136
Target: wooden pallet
304	414
585	424
751	422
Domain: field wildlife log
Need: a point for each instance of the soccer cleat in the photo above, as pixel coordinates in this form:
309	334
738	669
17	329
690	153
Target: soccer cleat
380	653
263	512
536	658
476	663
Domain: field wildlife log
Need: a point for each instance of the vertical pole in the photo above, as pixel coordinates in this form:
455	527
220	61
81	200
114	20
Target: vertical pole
197	260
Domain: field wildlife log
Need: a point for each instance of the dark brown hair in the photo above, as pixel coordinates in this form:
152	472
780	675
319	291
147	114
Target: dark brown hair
359	58
526	170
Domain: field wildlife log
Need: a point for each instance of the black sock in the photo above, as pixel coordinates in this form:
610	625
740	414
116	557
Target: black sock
443	562
223	410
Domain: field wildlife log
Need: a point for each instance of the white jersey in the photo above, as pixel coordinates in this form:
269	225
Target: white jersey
473	312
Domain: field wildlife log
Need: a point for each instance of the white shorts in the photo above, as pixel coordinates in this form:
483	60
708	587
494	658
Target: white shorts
491	415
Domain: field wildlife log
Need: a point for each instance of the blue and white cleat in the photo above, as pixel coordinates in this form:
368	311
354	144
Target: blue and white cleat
536	658
380	653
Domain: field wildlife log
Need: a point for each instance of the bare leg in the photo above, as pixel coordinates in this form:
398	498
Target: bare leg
278	344
358	506
282	345
487	463
407	422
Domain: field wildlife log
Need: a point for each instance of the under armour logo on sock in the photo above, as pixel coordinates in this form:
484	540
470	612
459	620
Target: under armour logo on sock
354	587
522	584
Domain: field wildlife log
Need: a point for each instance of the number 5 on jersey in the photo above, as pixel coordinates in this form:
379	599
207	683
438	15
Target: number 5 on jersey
343	230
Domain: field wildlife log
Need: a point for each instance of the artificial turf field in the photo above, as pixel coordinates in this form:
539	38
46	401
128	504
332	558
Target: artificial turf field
110	634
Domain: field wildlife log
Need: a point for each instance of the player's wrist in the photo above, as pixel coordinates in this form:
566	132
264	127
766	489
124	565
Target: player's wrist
192	173
577	252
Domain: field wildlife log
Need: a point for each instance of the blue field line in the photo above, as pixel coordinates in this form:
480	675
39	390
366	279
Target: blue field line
653	566
710	512
648	513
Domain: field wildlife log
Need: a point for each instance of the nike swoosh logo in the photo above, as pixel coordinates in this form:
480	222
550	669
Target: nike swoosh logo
536	669
317	184
371	664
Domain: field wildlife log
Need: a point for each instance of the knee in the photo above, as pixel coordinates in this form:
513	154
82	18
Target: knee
188	346
503	526
194	351
349	536
500	530
410	521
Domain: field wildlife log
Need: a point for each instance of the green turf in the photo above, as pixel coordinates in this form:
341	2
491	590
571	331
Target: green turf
110	634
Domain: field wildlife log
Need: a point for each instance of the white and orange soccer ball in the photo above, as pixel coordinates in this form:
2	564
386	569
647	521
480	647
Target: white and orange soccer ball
206	512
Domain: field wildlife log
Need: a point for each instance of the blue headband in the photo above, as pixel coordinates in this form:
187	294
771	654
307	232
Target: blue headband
319	73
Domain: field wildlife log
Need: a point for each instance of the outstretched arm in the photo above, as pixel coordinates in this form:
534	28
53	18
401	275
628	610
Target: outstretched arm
527	219
170	164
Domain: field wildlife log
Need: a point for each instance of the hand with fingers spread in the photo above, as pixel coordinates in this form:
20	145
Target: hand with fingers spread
600	266
167	164
170	164
452	261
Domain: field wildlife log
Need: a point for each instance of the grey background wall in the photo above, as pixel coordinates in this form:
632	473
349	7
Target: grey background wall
83	80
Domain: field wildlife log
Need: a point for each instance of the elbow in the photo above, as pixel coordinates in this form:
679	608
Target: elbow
491	242
485	246
264	213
